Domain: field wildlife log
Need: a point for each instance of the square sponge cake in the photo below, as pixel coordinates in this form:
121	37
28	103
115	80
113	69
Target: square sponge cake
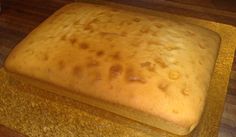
147	68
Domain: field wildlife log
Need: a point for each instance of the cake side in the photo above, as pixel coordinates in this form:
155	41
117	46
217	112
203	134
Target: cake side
147	63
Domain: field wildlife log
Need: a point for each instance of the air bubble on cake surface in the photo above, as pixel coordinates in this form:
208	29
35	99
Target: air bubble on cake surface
174	74
100	53
163	86
124	33
158	25
92	63
73	40
115	71
116	55
45	57
175	111
190	33
154	42
84	45
132	75
125	23
96	76
171	47
61	64
77	70
77	22
144	29
148	65
136	19
159	61
185	90
202	46
172	60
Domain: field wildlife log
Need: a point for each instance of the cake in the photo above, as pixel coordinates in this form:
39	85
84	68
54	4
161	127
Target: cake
144	67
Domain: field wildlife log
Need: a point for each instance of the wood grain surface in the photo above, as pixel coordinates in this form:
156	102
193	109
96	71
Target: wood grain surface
18	18
6	132
215	10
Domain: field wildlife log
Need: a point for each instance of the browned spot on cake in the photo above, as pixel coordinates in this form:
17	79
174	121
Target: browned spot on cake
145	64
77	22
153	42
202	46
110	15
100	53
110	86
101	13
89	27
174	75
200	99
31	42
200	62
51	37
112	46
178	23
163	86
193	62
128	22
160	62
136	19
125	22
116	56
148	65
115	71
102	34
133	76
84	45
96	76
151	68
114	10
158	25
132	54
45	57
77	70
154	33
123	34
135	44
73	41
151	18
170	48
61	64
92	63
65	26
145	29
49	70
175	111
63	37
95	20
108	33
92	50
29	51
190	33
122	23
